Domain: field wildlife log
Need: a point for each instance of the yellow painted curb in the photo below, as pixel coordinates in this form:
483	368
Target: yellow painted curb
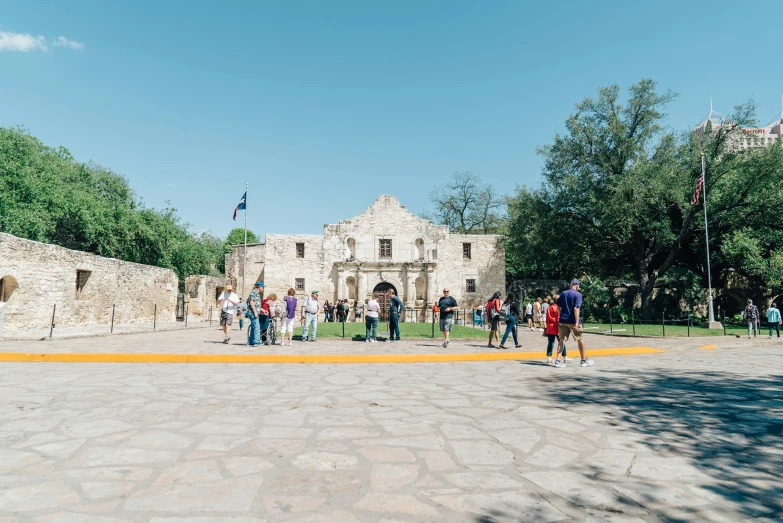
298	358
711	346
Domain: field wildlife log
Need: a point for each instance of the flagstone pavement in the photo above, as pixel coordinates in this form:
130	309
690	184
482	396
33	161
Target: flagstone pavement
686	435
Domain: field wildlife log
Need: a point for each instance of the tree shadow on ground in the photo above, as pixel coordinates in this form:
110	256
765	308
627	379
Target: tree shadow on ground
730	426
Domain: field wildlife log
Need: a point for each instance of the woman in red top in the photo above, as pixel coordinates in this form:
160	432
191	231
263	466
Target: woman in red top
494	304
552	328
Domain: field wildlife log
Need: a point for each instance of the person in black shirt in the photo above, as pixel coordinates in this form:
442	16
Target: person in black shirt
511	320
447	306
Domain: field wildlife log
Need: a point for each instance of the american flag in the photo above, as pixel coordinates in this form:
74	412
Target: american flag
699	187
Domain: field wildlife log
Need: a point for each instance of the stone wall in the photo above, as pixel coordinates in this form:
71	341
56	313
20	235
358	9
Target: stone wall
345	262
201	293
42	275
256	256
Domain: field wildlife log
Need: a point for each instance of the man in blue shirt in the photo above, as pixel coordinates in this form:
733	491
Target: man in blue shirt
773	318
570	304
395	308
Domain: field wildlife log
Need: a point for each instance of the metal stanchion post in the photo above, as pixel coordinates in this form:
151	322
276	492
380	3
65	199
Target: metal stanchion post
433	324
155	318
112	318
610	321
210	316
186	315
51	329
689	325
663	322
343	322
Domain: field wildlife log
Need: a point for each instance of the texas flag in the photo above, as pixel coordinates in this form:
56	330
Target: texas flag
241	206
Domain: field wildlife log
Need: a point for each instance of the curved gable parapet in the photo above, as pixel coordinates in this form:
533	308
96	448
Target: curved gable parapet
387	216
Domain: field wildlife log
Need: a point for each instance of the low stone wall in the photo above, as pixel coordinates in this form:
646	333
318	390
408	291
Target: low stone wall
35	276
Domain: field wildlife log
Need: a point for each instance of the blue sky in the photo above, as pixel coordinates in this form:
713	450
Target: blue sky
322	106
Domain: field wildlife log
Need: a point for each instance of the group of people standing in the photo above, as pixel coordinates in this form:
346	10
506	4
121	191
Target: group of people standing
337	310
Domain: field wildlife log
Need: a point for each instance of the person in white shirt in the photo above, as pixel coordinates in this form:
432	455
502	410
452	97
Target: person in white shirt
371	311
310	315
227	301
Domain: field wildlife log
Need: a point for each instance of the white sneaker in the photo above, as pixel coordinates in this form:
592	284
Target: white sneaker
448	343
374	340
290	344
531	328
367	340
559	364
586	363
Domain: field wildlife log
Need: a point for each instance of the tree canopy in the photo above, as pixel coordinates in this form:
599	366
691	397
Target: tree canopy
237	237
615	198
467	205
47	196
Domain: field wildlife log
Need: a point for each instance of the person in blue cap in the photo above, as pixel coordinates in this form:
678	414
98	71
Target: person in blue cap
310	315
570	304
254	308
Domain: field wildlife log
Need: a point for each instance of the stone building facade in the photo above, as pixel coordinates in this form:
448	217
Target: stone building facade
35	276
385	246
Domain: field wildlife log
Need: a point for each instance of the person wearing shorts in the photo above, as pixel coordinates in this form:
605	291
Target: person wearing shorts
570	305
529	315
287	323
227	301
446	304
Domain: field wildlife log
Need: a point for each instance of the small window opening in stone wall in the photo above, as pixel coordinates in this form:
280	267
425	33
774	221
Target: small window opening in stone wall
300	250
7	287
470	285
466	253
81	283
421	288
299	284
384	248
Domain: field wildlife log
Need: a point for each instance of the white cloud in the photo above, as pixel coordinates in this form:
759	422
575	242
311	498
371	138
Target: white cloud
70	44
22	42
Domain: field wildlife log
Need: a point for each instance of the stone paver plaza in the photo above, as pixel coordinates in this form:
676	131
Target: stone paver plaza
685	435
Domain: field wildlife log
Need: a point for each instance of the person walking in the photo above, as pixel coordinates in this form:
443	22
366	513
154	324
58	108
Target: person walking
241	313
446	305
537	319
254	306
774	320
552	329
371	323
544	307
327	307
511	320
570	305
289	316
310	315
395	308
529	314
752	317
357	311
227	301
493	313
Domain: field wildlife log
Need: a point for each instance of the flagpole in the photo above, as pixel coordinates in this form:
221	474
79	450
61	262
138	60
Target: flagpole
244	258
707	239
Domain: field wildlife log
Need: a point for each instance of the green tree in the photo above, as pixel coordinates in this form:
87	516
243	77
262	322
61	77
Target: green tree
47	196
615	199
237	237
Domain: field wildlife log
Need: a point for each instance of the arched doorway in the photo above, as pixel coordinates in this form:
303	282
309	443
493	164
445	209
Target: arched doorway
8	285
381	294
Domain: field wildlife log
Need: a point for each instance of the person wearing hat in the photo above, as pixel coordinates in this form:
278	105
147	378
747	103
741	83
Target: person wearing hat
310	316
228	307
570	305
254	306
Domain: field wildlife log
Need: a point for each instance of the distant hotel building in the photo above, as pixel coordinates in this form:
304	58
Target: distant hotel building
751	137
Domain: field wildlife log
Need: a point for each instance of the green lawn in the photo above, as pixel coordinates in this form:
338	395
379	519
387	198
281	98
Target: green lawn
407	330
656	330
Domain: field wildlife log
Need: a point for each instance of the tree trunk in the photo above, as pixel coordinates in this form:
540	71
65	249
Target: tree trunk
647	283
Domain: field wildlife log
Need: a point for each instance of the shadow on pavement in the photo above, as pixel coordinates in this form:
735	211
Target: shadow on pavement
728	426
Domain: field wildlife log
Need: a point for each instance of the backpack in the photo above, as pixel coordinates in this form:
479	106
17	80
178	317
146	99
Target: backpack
505	310
492	309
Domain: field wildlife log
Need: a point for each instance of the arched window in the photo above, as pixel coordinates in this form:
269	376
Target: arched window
350	282
351	248
419	252
421	288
